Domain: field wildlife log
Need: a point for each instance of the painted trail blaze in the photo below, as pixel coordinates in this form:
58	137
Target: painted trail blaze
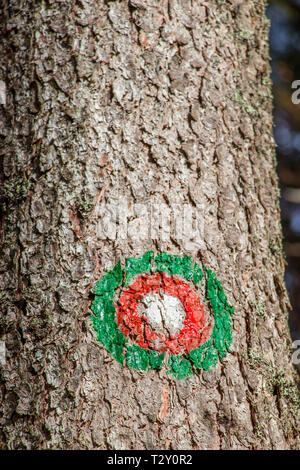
149	314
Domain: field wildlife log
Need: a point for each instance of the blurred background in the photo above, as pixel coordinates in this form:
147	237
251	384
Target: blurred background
285	54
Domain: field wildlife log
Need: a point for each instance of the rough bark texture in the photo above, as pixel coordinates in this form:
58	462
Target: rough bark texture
157	101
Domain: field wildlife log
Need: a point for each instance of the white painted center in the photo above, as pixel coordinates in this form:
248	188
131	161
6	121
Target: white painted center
163	311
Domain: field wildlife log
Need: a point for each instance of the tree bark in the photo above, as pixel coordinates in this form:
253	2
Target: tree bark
158	102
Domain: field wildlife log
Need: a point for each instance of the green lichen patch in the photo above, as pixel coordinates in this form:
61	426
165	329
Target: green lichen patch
84	206
260	308
244	104
254	360
278	384
275	247
15	190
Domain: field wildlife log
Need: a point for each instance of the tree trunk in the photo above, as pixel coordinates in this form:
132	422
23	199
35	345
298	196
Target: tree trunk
160	104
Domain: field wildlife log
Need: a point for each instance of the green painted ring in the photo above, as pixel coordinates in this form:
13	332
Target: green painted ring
103	309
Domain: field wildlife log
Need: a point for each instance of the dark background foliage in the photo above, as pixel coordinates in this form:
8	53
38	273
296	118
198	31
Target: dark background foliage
285	55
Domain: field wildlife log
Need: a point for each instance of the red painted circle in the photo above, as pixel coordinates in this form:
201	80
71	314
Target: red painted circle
131	323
